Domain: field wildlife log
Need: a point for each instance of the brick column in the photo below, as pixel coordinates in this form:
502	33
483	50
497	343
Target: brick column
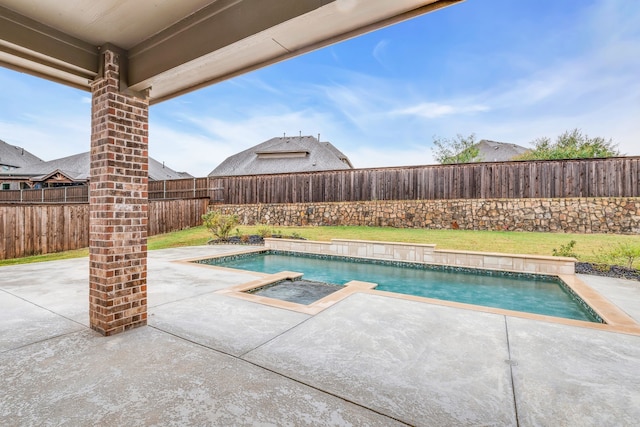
118	203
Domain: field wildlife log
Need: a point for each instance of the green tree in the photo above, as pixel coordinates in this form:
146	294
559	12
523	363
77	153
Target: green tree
570	145
456	150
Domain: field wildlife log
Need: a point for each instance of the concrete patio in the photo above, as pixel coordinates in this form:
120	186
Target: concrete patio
210	359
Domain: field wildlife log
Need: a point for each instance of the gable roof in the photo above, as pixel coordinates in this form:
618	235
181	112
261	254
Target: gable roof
284	154
493	151
71	167
76	168
14	156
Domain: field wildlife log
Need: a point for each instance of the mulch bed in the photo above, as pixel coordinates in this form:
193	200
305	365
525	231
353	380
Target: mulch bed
607	270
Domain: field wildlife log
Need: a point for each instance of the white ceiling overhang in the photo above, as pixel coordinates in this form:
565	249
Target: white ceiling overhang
173	47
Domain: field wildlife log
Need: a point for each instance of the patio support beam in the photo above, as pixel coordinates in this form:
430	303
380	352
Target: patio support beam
29	46
118	200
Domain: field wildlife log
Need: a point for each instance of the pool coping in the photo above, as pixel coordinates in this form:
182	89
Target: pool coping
616	320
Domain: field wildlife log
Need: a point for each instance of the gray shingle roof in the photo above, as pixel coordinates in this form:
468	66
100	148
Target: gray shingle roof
492	151
14	156
283	155
73	167
77	168
160	172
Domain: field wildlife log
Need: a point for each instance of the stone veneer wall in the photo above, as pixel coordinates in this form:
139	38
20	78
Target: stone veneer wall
575	215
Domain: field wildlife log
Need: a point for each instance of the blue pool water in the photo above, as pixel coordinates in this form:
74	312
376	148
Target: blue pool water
529	294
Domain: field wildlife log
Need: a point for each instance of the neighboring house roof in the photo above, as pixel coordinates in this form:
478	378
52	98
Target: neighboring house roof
160	172
284	154
492	151
71	167
15	157
76	168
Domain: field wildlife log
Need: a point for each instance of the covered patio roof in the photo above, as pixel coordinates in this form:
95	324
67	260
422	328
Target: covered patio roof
173	47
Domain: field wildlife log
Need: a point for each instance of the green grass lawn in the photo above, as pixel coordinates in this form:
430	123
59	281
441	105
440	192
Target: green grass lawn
588	246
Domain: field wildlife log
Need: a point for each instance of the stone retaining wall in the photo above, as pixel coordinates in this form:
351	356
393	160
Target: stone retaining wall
575	215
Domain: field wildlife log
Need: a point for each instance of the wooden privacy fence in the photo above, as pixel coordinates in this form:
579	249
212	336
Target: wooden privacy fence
171	215
612	177
76	194
38	229
189	188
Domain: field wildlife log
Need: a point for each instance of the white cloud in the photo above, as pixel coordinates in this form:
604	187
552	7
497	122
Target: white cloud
255	83
379	50
351	101
183	151
47	141
433	110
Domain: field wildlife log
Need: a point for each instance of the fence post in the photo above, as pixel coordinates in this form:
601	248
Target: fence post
194	188
21	199
164	189
42	195
65	194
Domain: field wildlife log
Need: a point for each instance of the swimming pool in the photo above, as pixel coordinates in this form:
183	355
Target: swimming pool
536	294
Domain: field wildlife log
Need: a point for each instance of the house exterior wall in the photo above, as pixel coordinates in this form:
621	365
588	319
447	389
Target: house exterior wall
9	185
12	183
574	215
6	181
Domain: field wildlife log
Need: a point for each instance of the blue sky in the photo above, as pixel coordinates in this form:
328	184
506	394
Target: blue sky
505	70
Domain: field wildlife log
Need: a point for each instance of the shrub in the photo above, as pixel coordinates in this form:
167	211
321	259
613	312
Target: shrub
625	253
566	250
264	232
218	224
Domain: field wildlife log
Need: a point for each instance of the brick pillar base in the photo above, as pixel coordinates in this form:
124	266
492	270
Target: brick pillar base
118	204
